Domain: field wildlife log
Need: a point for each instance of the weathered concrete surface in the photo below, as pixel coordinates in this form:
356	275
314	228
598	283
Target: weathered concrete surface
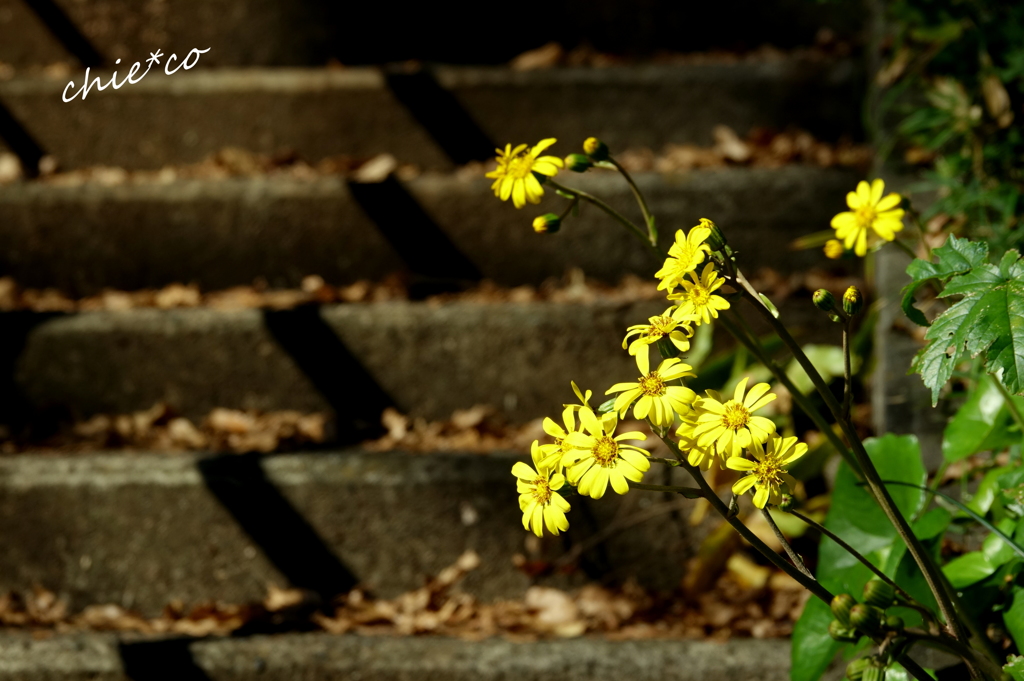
143	529
227	233
322	657
322	112
352	360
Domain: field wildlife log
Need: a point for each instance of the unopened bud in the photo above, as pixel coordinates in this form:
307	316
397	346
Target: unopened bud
879	594
823	300
894	623
786	502
834	249
855	670
717	240
548	223
873	674
853	301
578	163
866	618
595	149
841	606
842	633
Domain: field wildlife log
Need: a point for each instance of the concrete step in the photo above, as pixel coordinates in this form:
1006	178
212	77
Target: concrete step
140	530
228	232
277	32
430	117
350	360
323	657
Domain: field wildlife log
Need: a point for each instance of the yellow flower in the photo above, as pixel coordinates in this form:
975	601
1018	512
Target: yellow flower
704	457
768	472
696	297
674	327
539	500
552	454
730	423
869	212
657	400
601	458
516	174
688	251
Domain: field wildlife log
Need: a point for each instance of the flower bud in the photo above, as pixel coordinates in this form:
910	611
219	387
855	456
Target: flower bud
717	240
855	670
879	594
841	606
595	149
786	502
578	163
873	674
548	223
824	301
834	249
894	623
842	633
866	618
853	301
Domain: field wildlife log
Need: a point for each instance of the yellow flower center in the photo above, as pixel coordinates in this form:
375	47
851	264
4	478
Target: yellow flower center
542	490
661	326
736	416
520	166
768	472
652	384
699	295
563	446
606	451
866	216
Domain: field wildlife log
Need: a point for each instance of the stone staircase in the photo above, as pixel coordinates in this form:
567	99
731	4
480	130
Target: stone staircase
141	529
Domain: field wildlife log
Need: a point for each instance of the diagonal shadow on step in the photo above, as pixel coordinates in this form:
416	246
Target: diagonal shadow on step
354	395
265	514
64	30
166	660
20	142
436	263
440	113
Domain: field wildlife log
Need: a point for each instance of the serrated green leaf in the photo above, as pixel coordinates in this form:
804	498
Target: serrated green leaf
956	256
988	320
980	424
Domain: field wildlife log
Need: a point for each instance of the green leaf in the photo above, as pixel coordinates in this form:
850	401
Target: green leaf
812	648
956	256
1015	667
1013	617
932	524
980	424
996	549
988	321
967	569
987	490
827	359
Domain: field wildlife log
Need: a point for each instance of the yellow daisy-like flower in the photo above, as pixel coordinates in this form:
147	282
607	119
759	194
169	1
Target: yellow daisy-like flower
869	215
539	500
601	457
516	174
697	297
552	454
768	472
730	423
688	251
703	457
675	327
655	399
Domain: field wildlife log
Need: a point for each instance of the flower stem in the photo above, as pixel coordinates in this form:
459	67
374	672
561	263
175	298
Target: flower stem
1010	404
688	492
793	556
622	219
847	373
929	569
652	230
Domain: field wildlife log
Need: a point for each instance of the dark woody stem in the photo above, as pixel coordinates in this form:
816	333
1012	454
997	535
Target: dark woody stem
793	556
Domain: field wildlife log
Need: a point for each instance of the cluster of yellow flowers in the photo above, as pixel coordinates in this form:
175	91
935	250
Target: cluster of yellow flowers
712	430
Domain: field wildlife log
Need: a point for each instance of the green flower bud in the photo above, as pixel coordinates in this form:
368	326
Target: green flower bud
824	301
839	632
578	163
866	618
855	670
717	240
786	502
595	149
879	594
853	301
894	623
548	223
841	606
873	674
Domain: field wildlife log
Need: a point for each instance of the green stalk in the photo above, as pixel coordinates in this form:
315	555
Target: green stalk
622	219
1010	404
652	230
793	556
